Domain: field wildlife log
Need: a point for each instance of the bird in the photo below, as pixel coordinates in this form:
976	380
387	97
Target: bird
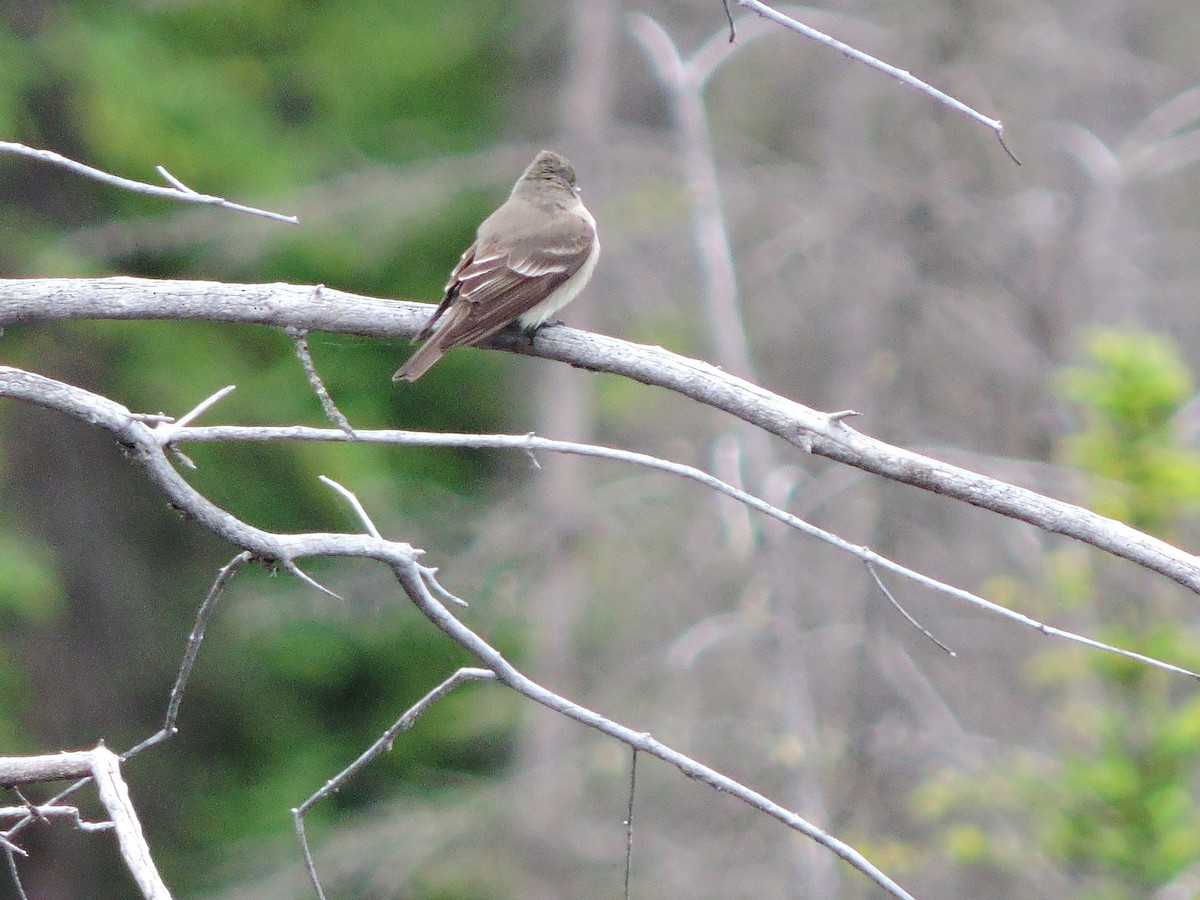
530	258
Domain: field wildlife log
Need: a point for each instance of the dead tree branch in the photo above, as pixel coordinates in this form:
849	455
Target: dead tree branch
177	190
823	434
104	767
866	59
145	448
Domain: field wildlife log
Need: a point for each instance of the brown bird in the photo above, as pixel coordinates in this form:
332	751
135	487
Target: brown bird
531	257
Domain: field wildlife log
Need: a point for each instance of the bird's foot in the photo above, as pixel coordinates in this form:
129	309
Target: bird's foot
552	323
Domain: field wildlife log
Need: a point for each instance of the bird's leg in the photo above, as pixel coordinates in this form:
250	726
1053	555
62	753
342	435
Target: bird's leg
551	323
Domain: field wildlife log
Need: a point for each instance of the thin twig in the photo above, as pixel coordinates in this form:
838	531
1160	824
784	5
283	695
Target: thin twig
291	567
177	191
228	571
915	624
866	59
165	427
29	806
729	19
384	743
529	442
430	575
198	410
629	822
15	874
354	502
55	812
309	866
224	576
9	846
299	338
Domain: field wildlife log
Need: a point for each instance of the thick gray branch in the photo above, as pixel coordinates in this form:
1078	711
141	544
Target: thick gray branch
105	767
139	442
826	435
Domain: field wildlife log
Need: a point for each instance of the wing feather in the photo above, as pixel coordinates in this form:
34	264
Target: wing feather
504	274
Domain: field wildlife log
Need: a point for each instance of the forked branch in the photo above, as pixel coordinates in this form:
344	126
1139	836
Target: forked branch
823	434
177	190
145	448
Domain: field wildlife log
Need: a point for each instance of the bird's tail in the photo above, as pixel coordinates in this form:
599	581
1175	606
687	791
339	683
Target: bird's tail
418	364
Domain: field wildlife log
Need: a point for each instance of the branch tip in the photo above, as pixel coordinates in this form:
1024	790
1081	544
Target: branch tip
184	460
299	338
1000	138
353	501
204	405
913	622
295	570
172	180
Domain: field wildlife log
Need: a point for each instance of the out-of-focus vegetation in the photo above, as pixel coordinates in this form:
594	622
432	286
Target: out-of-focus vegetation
1117	807
890	258
258	102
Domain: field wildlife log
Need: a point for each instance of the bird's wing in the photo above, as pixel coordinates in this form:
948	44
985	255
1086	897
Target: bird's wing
497	285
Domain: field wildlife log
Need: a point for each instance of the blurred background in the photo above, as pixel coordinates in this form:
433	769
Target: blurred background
1036	323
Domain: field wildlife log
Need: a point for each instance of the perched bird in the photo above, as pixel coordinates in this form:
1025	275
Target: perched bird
531	257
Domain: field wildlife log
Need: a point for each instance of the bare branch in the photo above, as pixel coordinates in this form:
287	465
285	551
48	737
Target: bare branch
134	849
866	59
300	342
293	569
189	655
13	873
103	766
643	742
205	405
629	812
177	191
530	443
144	448
430	576
355	504
819	433
55	812
384	743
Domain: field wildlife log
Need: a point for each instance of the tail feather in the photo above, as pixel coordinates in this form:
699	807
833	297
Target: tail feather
418	364
445	336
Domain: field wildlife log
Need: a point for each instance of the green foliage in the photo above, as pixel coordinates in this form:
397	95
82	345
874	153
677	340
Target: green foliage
1127	395
16	76
264	94
324	688
274	98
1118	815
29	588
